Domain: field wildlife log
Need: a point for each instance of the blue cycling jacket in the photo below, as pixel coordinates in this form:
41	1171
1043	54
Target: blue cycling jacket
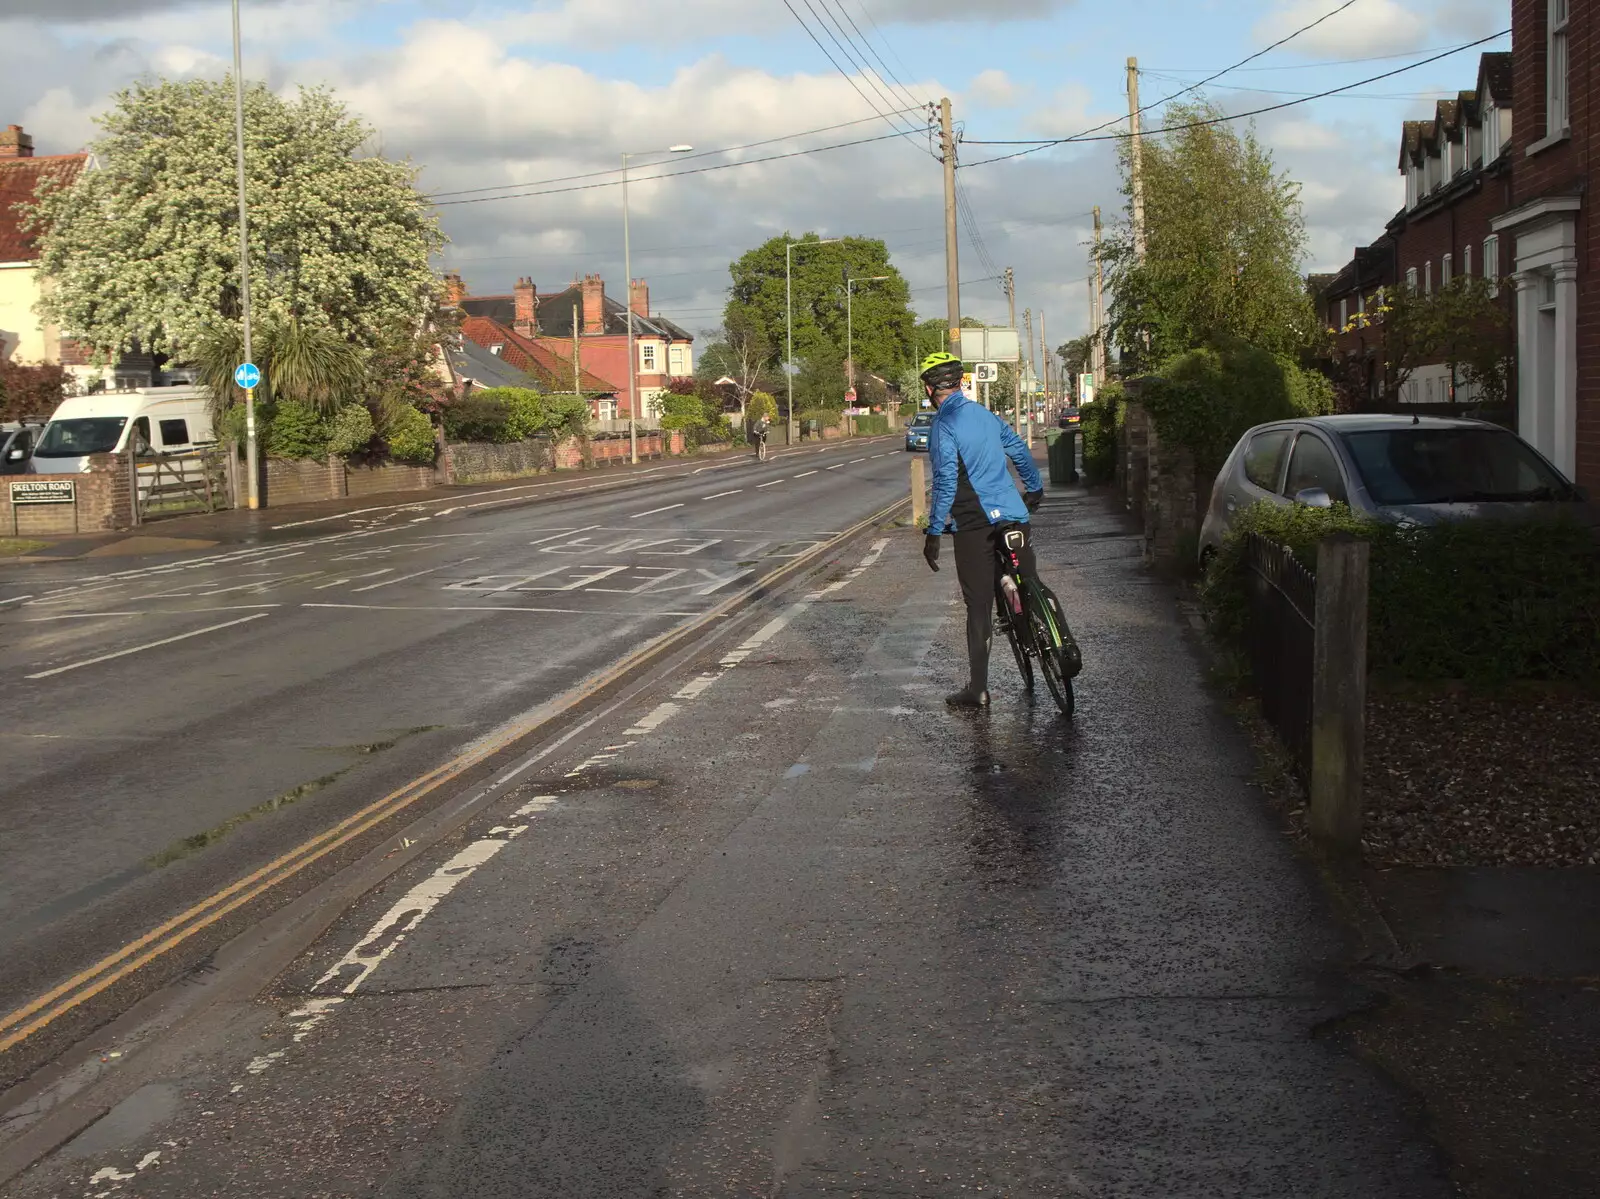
968	434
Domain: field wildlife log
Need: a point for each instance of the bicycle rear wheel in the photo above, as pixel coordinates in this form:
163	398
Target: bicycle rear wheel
1047	644
1019	649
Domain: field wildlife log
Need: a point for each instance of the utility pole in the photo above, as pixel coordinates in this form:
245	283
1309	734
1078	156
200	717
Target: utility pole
1027	342
1016	406
251	450
576	390
1097	348
1135	160
1044	357
952	270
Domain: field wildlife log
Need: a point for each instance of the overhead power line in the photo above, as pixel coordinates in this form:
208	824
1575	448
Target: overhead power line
1035	146
787	137
635	178
1307	66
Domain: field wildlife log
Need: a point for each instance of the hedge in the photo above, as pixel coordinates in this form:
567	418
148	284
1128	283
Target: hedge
1482	601
871	426
1099	421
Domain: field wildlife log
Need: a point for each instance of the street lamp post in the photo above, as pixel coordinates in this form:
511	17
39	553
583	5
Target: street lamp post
627	269
251	452
788	320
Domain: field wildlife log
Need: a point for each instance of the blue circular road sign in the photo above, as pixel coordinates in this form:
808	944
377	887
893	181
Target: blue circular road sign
248	375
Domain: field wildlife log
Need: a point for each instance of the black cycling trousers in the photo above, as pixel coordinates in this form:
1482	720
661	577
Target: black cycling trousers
978	571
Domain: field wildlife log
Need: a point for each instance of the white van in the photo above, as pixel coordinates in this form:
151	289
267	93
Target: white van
165	419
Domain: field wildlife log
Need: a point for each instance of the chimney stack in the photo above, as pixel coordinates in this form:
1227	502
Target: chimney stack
454	289
639	298
527	302
15	144
594	304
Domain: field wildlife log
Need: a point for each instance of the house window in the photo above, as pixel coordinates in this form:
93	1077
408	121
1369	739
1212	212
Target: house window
1411	186
1427	278
647	357
1556	69
1361	302
1344	312
1444	270
495	349
1466	259
1470	140
675	365
606	409
1491	262
1411	279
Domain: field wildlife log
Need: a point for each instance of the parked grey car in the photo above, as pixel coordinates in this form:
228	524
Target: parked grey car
1397	468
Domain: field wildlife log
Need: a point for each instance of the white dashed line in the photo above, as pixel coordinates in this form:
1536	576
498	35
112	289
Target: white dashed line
653	511
804	473
853	461
837	465
123	653
720	494
774	483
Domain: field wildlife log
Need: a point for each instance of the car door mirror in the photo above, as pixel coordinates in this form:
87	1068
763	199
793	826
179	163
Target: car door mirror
1313	497
16	455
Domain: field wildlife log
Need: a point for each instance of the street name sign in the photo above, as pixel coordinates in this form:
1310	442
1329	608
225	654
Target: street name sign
44	491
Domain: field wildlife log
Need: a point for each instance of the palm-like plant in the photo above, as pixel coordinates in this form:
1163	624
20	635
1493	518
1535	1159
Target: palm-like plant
302	363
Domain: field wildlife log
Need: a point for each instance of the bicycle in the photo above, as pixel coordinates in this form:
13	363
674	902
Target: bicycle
1031	618
761	449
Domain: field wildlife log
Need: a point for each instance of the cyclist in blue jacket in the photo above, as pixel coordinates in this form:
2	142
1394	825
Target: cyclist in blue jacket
973	494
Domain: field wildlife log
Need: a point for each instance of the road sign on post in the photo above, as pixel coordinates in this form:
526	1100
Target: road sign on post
1086	388
986	372
248	376
990	345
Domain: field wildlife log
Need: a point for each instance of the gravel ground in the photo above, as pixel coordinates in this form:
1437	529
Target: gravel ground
1456	778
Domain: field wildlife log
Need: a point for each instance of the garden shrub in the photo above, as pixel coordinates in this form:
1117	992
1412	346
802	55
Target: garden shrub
295	430
410	437
1099	422
352	430
1481	601
871	426
480	416
682	412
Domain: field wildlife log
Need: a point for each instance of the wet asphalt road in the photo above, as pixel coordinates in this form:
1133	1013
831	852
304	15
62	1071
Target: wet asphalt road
787	927
170	724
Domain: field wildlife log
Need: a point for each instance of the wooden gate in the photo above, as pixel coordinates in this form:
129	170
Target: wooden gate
171	484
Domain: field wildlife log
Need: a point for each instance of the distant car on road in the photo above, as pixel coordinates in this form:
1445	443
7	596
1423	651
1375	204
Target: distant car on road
1070	418
1418	470
917	432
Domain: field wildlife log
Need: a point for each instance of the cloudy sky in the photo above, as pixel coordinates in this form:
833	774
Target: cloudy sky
483	95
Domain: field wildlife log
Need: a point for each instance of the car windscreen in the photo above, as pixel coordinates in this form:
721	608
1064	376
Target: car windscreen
1452	466
84	435
921	421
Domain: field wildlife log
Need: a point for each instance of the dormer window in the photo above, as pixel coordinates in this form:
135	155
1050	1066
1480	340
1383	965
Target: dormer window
497	347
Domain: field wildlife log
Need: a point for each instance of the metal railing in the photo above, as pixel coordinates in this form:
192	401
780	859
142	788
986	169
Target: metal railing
1281	637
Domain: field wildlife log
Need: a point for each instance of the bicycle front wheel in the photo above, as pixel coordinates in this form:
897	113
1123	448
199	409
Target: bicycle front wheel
1047	644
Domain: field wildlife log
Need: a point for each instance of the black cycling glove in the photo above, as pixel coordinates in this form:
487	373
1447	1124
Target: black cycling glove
930	551
1033	499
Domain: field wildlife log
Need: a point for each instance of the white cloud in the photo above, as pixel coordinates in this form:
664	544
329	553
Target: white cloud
1366	27
993	89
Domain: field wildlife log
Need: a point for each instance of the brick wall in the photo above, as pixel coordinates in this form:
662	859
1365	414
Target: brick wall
477	462
305	481
1432	233
1563	168
391	476
103	503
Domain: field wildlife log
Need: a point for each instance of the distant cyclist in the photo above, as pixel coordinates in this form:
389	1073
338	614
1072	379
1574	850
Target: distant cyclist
758	433
973	495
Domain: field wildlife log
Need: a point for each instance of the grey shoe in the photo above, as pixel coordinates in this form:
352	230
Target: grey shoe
968	698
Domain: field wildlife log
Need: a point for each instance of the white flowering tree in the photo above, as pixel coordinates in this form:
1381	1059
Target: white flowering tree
145	247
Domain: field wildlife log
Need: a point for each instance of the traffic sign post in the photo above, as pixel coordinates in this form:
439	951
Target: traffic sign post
248	376
986	372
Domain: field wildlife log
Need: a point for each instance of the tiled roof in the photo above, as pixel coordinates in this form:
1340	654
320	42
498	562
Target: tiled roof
18	179
471	361
549	369
1412	134
1494	75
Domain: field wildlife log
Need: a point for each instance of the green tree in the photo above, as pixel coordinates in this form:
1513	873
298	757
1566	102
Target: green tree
881	313
1076	355
1225	235
146	247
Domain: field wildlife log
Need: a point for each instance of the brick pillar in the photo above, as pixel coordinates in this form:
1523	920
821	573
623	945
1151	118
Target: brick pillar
639	297
594	304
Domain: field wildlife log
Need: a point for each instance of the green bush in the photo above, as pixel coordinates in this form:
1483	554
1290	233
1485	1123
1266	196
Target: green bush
296	430
871	426
352	430
481	416
1485	601
682	412
1205	399
1099	423
410	437
758	405
525	416
566	415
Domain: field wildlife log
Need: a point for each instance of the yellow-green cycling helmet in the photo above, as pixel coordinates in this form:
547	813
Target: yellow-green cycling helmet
941	369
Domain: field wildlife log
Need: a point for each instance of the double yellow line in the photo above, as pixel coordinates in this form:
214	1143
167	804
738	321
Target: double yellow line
19	1025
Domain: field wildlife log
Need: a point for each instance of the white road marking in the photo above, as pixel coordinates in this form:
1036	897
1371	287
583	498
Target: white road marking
651	615
774	483
695	686
853	461
123	653
371	574
15	599
804	473
413	575
78	616
653	511
562	533
651	720
720	494
837	465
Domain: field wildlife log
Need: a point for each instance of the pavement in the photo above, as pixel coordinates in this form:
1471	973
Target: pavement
781	924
